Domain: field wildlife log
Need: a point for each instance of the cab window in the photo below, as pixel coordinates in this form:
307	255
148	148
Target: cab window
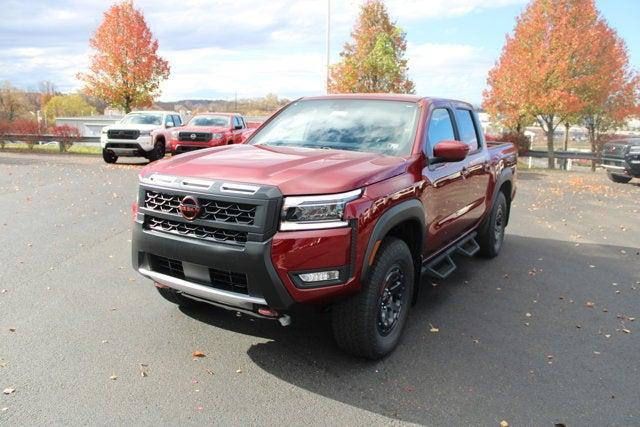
467	128
440	127
168	121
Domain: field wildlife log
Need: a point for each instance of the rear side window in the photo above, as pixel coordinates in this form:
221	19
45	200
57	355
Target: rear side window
440	127
467	128
177	120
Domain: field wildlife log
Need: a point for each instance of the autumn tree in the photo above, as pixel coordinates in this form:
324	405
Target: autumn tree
67	105
374	61
550	65
126	70
13	102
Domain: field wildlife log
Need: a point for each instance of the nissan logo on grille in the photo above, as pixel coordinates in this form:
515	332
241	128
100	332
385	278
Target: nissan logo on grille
193	136
190	208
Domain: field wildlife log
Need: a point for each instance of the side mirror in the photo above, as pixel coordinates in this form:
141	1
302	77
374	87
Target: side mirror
451	151
168	126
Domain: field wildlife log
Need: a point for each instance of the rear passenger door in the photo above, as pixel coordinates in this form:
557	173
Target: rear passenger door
476	172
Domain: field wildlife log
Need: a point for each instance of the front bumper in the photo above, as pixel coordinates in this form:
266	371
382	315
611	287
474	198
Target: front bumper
128	147
178	147
629	165
264	287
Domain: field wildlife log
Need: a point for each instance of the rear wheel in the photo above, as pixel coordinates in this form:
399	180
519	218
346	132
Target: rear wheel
491	238
109	156
370	323
621	179
175	297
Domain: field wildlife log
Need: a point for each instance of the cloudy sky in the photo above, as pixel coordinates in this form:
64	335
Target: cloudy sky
218	47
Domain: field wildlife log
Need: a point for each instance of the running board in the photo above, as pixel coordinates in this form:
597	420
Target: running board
442	266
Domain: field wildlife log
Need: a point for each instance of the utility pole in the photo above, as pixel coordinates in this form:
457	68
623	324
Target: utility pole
328	46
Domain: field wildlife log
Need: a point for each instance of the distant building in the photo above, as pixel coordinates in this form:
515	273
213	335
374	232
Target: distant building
89	125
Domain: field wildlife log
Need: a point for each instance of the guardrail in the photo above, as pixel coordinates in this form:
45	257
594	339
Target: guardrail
49	138
574	155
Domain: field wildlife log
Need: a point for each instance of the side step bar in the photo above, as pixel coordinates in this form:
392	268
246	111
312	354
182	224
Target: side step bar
442	266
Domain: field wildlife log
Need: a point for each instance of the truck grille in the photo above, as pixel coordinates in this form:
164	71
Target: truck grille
197	231
220	279
212	210
195	136
123	134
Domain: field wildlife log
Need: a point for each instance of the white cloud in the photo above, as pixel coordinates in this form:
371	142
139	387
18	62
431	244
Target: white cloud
216	47
449	70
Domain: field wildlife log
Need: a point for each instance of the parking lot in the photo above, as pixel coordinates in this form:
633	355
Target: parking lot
545	333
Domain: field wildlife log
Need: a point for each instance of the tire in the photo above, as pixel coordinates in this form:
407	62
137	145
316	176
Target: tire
491	238
109	156
362	324
620	179
158	151
175	297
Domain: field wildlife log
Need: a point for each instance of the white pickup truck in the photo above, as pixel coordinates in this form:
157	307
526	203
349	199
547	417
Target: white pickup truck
131	136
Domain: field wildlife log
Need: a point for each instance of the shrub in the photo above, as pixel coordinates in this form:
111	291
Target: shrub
67	136
25	127
522	142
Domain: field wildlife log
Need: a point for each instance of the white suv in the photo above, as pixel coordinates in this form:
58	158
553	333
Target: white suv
131	136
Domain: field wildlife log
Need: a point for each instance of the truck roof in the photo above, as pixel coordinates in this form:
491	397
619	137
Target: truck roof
204	113
387	97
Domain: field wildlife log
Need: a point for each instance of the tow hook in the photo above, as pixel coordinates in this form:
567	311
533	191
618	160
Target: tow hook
284	319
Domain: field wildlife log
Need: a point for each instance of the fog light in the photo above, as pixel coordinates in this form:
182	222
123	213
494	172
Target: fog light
320	276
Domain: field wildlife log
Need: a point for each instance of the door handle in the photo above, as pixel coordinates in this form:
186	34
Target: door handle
464	172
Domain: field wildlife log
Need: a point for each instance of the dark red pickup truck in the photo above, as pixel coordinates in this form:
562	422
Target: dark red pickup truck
338	202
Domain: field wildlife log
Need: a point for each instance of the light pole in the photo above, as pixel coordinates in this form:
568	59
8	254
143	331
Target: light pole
328	46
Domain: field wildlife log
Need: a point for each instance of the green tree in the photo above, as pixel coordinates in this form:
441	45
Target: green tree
67	105
374	61
13	102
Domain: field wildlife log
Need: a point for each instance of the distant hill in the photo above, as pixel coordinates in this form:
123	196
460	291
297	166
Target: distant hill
252	106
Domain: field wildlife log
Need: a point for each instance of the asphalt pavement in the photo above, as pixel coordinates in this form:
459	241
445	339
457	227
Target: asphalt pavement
546	333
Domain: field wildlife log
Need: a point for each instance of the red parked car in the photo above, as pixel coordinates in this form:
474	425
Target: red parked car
338	202
204	130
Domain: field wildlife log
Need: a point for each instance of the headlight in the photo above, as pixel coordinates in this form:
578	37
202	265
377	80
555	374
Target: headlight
216	135
175	134
634	149
145	132
315	212
104	131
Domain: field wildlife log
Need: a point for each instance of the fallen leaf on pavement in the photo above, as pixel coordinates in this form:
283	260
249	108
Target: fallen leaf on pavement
198	353
590	304
12	329
503	423
238	371
626	331
113	377
8	390
433	328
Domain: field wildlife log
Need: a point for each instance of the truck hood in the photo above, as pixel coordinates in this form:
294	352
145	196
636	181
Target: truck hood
213	129
132	126
296	171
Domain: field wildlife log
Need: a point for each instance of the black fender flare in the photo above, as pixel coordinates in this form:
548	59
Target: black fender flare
505	175
395	215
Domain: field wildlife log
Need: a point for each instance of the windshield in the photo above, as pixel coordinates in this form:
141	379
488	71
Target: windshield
377	126
209	120
142	119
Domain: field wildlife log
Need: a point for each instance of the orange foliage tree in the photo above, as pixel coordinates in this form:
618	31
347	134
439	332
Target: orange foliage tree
556	65
126	70
374	61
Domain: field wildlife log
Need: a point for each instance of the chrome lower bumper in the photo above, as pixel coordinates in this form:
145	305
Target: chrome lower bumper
217	296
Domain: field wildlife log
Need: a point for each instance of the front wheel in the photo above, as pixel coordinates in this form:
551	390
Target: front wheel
620	179
491	238
109	156
370	323
158	151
